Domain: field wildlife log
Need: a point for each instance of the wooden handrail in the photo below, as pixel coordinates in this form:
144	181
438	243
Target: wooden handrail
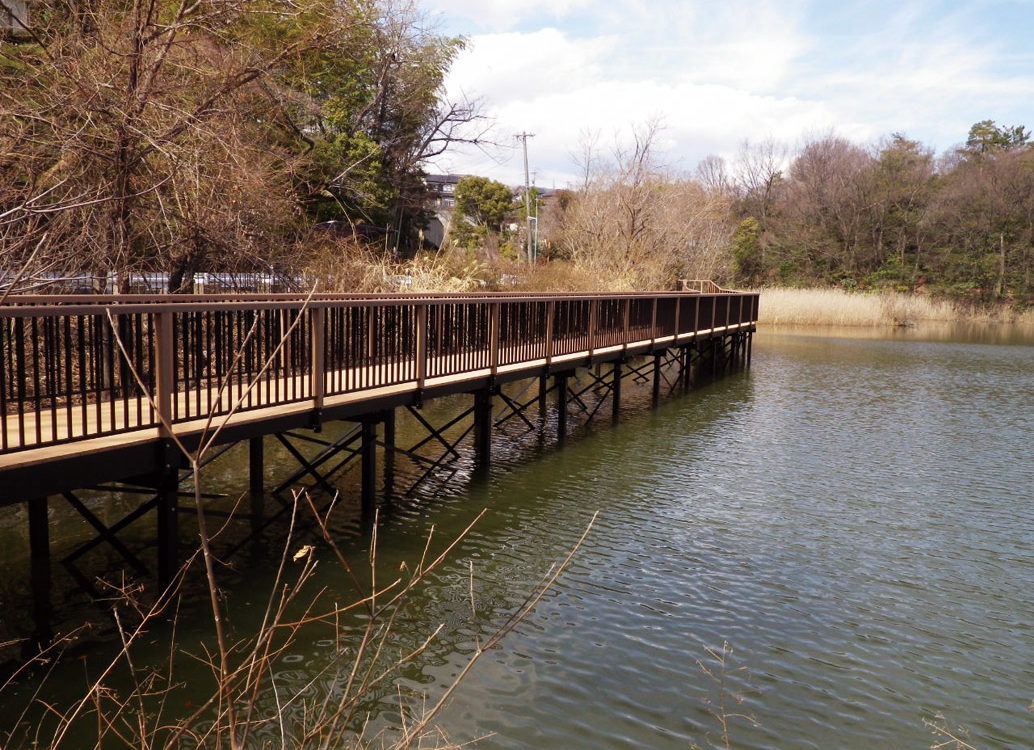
64	377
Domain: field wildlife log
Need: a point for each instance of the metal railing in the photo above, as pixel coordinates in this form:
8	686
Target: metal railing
79	367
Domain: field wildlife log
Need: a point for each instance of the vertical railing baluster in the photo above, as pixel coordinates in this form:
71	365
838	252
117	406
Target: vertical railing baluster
628	322
653	323
421	344
166	366
5	361
550	322
493	336
318	319
593	313
20	376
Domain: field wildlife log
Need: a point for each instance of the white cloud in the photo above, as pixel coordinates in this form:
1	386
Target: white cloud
697	120
501	15
509	66
719	73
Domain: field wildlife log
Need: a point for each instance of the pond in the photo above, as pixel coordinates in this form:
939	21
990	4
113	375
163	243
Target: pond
832	549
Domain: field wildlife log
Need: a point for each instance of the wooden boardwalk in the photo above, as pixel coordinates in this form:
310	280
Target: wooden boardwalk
98	390
88	377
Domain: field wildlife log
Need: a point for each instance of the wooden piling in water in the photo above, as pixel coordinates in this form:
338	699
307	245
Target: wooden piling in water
39	575
167	507
368	468
615	407
482	430
561	405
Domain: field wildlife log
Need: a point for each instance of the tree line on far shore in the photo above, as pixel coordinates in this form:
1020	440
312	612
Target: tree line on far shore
830	213
179	137
892	215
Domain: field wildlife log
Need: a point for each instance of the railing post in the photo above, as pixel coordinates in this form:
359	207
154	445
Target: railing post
493	336
653	324
421	345
371	333
627	324
594	306
319	361
696	317
550	322
165	384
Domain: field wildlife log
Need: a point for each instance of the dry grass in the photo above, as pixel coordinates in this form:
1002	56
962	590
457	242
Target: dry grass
836	307
347	266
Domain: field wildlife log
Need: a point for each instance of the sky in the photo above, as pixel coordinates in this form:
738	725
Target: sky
716	74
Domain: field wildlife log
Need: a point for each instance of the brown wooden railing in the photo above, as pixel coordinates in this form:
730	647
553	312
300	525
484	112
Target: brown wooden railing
78	367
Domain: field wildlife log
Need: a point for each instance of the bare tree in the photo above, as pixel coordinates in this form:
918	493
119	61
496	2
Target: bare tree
636	225
713	175
121	119
759	173
175	135
828	199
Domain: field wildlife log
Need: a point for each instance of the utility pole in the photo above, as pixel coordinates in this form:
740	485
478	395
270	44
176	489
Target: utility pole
527	191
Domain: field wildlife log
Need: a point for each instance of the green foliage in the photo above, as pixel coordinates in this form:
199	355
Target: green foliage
788	273
889	275
485	202
467	235
986	137
747	256
344	179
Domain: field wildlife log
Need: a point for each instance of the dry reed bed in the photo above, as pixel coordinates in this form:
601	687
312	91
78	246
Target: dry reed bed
836	307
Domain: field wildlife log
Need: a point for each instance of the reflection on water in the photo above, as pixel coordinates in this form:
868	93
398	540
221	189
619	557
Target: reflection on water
853	517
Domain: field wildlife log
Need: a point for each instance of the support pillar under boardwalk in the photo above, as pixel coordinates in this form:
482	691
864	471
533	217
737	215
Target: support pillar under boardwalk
616	391
561	405
256	467
482	430
167	496
543	390
658	359
389	454
39	560
368	468
256	485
